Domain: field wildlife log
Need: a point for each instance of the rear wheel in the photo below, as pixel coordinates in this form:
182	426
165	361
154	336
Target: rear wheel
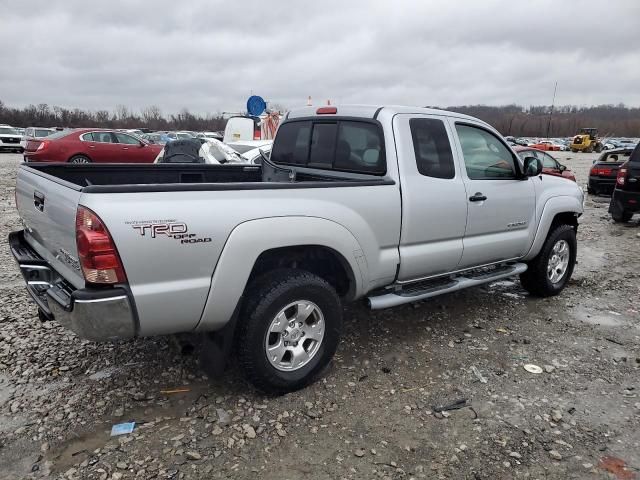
79	159
551	269
621	216
288	330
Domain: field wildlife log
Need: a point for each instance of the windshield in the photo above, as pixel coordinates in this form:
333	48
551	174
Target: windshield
8	131
184	136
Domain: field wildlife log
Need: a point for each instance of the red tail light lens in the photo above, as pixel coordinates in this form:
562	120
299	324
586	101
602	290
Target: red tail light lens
44	144
257	133
97	252
603	172
622	175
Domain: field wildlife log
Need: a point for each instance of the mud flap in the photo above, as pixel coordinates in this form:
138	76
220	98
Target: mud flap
216	347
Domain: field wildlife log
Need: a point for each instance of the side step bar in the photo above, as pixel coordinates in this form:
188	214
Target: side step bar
420	291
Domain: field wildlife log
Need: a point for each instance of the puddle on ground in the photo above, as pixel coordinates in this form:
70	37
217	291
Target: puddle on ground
603	319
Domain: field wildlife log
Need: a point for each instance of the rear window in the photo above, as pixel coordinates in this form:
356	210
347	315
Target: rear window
343	145
60	134
40	132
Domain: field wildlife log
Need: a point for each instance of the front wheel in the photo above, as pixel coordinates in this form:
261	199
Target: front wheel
550	271
288	330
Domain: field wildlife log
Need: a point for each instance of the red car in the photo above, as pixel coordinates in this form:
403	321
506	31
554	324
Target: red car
550	165
546	146
89	145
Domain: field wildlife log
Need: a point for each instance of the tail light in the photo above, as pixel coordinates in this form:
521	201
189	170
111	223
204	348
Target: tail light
257	132
622	175
603	172
44	144
98	256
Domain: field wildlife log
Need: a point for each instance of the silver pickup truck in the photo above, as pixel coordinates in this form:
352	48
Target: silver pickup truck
389	204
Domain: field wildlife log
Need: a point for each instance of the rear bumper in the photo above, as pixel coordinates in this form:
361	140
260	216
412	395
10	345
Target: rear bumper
94	314
601	184
623	201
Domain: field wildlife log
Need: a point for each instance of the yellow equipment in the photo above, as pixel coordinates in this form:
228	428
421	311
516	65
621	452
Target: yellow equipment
586	141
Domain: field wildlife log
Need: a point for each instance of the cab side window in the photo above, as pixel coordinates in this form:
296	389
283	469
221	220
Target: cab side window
432	148
485	156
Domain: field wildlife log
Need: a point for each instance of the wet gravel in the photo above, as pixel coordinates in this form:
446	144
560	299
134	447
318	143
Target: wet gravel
378	410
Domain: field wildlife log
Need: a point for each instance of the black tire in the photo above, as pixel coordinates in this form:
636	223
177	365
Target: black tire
80	159
535	280
598	148
591	191
620	216
574	150
267	296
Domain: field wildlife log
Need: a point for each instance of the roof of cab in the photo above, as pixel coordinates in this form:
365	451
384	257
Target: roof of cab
372	111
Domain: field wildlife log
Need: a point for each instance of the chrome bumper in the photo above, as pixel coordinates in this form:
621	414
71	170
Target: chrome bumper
94	314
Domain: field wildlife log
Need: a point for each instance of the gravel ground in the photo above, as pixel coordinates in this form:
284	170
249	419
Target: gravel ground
374	413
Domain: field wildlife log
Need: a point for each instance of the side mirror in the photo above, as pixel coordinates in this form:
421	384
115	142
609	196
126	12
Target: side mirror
562	168
532	167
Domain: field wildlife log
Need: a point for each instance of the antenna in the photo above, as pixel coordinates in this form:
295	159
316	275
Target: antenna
553	103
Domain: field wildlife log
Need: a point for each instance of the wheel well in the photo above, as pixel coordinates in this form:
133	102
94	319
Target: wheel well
322	261
565	218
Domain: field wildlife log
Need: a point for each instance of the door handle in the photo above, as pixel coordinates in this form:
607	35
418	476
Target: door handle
92	146
478	197
38	200
125	148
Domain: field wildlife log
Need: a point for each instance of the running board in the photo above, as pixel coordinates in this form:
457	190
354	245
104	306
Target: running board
420	291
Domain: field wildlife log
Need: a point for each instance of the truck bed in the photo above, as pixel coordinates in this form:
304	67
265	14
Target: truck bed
126	178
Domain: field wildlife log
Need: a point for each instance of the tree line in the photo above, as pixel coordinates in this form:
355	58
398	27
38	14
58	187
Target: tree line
43	115
561	121
534	121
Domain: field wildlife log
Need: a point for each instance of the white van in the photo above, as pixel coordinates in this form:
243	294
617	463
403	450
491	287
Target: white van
241	129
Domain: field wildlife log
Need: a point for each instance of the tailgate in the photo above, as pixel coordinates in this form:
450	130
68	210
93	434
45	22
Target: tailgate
47	207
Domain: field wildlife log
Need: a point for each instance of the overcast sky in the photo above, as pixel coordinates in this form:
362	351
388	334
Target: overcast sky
210	56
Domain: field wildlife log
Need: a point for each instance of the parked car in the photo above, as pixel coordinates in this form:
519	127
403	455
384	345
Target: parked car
255	156
90	145
625	200
245	146
9	139
550	165
546	146
33	133
214	135
154	138
391	204
604	171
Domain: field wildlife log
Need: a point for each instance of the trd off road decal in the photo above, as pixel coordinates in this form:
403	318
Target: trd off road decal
167	228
